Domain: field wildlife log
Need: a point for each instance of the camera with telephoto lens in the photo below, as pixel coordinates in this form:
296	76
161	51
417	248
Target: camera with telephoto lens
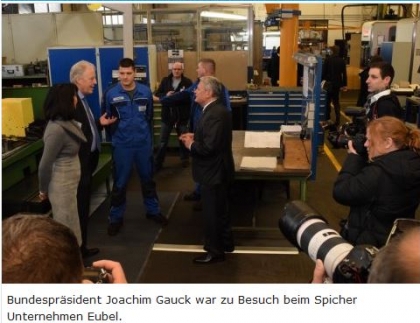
354	131
308	231
96	275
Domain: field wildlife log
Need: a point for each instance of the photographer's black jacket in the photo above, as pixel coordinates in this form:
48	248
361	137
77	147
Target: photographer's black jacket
378	193
172	113
387	105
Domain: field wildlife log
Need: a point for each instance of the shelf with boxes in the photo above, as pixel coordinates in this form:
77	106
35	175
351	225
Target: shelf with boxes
24	75
38	80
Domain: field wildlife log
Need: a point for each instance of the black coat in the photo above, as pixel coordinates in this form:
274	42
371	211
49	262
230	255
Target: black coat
334	71
84	152
363	93
273	69
387	105
378	193
171	113
211	152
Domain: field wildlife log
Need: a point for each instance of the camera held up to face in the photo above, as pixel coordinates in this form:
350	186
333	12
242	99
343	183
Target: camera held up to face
354	131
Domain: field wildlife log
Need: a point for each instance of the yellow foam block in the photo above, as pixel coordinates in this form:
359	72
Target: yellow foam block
17	114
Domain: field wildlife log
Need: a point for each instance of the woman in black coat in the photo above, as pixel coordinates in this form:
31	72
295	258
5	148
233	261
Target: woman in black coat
385	187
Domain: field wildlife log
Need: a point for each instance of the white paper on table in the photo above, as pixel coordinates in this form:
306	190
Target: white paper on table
291	128
267	164
262	139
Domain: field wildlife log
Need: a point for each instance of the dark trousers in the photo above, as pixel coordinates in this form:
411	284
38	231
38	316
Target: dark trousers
334	97
165	132
88	165
217	225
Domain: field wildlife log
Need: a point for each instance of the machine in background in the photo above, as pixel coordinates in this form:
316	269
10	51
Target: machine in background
407	67
374	34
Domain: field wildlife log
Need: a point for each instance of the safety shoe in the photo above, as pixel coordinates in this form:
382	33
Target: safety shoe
158	218
114	228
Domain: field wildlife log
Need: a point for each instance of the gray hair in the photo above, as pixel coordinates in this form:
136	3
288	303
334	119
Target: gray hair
78	69
213	84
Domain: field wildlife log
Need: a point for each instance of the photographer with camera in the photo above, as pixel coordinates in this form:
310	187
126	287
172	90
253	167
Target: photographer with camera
380	101
382	188
397	262
339	261
38	250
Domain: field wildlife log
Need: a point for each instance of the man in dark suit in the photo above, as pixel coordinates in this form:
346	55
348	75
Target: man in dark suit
381	101
334	71
273	68
83	75
213	168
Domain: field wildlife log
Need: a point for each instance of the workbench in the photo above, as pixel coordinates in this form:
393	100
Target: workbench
293	161
20	177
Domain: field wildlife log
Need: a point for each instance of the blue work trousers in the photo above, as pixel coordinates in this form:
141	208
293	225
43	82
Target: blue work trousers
123	159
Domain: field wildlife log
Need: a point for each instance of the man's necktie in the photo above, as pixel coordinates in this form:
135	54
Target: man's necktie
367	105
96	140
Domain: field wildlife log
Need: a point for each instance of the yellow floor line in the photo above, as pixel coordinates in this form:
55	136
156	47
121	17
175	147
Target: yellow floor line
332	158
329	153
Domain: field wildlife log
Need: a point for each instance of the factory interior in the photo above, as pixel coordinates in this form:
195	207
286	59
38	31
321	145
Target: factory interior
241	38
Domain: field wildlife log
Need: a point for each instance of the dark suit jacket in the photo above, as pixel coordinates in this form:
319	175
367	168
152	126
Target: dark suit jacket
211	151
82	117
387	105
84	152
334	70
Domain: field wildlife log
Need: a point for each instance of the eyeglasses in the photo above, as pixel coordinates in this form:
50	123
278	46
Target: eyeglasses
177	69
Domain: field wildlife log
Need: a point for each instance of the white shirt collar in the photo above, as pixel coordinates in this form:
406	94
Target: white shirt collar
376	97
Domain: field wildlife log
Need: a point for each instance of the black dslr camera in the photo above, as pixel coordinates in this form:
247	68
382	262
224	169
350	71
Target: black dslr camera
309	232
354	131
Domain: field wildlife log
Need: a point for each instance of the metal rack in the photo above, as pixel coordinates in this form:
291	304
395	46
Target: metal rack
313	104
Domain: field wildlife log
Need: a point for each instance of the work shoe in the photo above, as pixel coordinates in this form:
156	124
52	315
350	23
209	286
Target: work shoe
192	197
158	218
114	228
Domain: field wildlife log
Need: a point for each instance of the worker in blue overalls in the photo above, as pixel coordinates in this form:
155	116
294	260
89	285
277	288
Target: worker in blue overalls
127	108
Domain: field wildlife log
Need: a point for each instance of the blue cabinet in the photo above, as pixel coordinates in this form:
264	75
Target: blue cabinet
105	58
61	59
270	108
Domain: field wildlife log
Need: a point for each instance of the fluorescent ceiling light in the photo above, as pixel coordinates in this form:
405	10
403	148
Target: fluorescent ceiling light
223	15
